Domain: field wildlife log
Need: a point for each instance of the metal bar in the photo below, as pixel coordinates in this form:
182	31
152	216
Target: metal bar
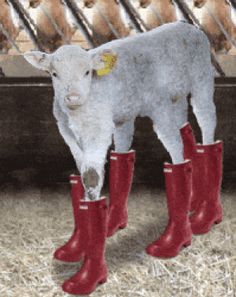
87	23
134	16
82	15
25	12
80	21
184	9
190	17
27	22
137	15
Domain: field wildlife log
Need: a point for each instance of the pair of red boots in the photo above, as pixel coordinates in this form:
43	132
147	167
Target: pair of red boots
93	223
192	186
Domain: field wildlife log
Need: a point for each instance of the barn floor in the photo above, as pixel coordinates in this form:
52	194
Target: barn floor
33	222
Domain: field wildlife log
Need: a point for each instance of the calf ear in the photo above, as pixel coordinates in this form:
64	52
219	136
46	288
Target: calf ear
38	59
104	62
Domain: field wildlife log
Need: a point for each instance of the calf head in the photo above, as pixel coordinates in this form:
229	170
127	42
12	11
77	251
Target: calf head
72	69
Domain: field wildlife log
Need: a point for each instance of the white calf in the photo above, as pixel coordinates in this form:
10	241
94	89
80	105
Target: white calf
97	96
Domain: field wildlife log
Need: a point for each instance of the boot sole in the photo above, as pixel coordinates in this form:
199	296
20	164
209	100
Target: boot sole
103	281
121	227
216	222
66	262
74	292
183	246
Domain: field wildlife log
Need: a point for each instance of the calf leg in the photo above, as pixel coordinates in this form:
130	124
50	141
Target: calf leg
167	131
123	135
70	140
204	110
178	181
68	135
92	176
207	163
92	168
181	112
120	176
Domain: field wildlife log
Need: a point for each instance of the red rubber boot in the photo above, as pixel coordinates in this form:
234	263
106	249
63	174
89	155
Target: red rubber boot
209	209
120	180
189	143
94	231
178	234
72	250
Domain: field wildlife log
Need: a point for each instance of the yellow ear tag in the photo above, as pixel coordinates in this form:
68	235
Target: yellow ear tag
109	61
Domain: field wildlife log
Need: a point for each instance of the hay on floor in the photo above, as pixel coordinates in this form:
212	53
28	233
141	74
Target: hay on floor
34	222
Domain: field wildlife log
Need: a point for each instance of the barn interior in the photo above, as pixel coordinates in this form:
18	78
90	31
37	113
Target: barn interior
35	213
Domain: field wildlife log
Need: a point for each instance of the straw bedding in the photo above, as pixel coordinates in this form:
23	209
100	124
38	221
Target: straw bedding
33	222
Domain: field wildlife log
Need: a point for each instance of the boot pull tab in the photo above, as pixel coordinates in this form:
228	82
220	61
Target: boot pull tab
200	151
168	170
73	182
113	158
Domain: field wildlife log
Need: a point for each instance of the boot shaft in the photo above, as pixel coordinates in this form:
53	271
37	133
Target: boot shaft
189	141
93	221
178	183
211	158
77	193
121	173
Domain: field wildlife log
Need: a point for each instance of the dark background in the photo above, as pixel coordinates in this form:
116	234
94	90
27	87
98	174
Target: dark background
32	150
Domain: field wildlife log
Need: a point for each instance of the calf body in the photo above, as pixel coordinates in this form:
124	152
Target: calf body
154	74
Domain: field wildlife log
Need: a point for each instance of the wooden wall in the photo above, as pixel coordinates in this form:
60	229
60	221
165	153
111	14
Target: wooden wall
31	149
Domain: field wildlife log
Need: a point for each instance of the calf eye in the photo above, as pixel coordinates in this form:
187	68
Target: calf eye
87	73
54	74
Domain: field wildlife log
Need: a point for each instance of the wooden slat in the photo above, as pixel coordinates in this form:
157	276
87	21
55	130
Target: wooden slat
46	81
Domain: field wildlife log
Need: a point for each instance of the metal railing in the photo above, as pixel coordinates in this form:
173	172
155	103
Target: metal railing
88	31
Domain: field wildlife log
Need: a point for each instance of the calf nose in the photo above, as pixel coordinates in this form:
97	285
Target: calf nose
72	99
